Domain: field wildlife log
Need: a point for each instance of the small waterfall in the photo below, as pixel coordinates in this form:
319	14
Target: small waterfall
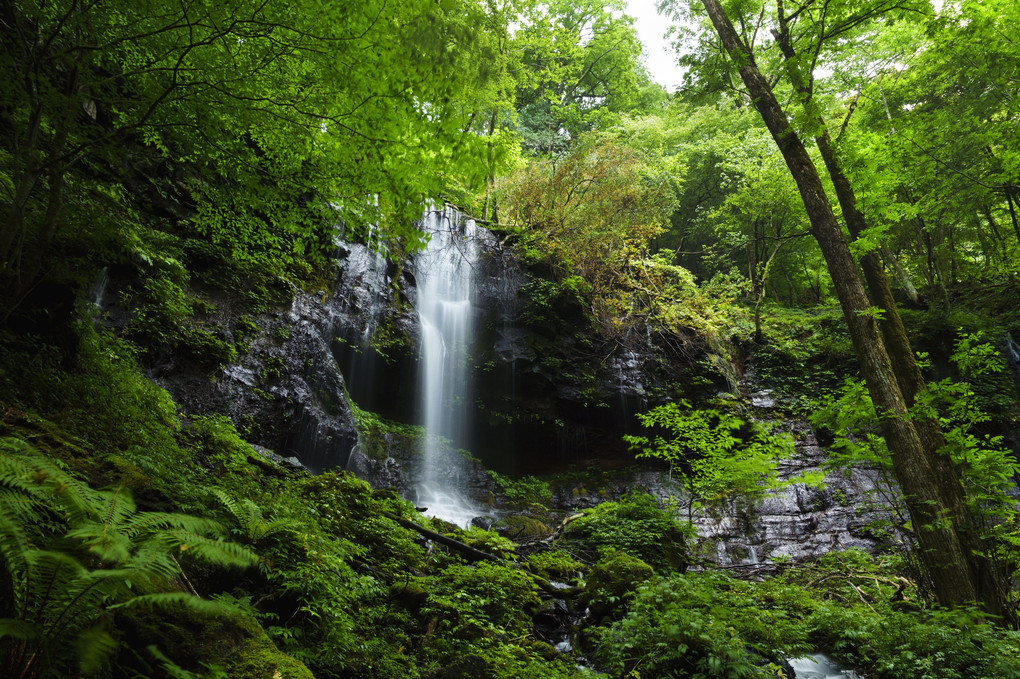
97	291
446	279
819	666
1012	355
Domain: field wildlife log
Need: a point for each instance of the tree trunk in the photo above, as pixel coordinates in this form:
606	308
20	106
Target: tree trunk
993	230
941	551
1011	201
893	262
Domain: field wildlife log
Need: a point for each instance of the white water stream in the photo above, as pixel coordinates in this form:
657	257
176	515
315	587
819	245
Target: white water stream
819	666
446	280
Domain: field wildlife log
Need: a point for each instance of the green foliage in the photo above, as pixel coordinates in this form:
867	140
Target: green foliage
252	526
612	581
805	356
389	342
289	126
523	493
637	526
579	69
953	644
988	468
488	541
485	600
554	564
74	555
711	461
377	435
710	624
163	320
103	400
699	626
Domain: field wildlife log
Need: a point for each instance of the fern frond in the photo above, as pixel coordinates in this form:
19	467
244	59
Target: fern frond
265	529
231	505
168	600
60	601
153	560
47	578
251	520
107	543
95	646
19	629
25	470
246	513
148	523
213	550
13	546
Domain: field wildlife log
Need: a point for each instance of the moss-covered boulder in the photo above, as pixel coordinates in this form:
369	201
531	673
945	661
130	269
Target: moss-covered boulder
235	643
612	581
519	526
468	667
258	658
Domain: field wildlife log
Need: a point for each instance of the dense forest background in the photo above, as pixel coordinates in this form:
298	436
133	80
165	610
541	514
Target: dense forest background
830	200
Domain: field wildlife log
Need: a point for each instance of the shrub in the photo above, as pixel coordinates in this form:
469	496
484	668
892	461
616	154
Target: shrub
637	526
612	581
955	644
555	564
523	493
482	600
706	625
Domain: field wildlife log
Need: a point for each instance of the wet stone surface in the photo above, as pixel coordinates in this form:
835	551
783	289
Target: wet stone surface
800	521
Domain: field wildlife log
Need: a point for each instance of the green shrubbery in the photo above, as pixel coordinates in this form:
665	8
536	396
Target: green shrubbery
712	625
635	525
526	492
805	356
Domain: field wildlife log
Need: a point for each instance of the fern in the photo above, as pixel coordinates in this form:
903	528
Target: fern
254	527
74	554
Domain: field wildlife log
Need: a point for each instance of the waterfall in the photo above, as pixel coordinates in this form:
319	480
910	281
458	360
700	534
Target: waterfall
445	273
1012	355
97	291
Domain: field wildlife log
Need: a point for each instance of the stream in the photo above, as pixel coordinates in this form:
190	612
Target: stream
819	666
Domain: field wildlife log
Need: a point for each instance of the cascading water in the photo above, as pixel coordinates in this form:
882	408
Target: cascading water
446	278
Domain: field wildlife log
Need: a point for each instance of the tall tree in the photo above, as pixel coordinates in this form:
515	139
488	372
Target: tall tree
580	69
268	113
944	552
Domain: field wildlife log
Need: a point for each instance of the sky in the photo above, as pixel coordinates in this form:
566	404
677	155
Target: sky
650	28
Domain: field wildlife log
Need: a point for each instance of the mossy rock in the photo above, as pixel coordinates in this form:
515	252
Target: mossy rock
468	667
115	470
411	594
45	436
236	643
518	526
543	650
613	580
258	658
445	527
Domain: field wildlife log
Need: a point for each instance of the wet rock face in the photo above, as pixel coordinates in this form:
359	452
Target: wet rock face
284	392
801	521
549	391
795	522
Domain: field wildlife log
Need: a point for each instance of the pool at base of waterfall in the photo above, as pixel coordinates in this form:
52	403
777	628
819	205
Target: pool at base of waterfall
819	666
